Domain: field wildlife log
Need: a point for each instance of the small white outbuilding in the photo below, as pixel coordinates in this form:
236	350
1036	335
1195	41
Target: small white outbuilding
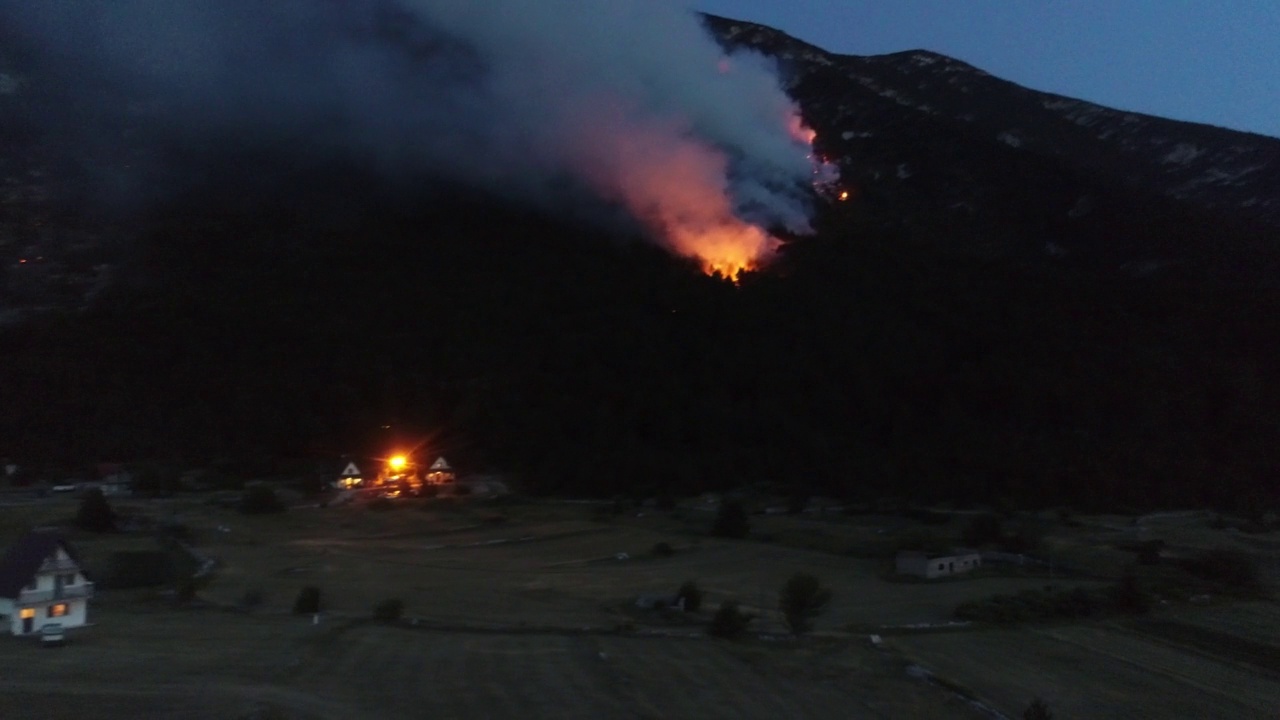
931	566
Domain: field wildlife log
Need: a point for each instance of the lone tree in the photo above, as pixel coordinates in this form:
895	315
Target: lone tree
95	513
731	520
802	599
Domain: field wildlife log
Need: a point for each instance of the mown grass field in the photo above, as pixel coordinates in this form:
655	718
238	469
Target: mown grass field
216	665
528	610
1097	671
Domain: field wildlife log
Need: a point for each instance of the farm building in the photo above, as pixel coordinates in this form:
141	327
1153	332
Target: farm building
934	566
41	582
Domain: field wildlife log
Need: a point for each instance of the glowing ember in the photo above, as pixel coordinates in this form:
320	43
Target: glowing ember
844	195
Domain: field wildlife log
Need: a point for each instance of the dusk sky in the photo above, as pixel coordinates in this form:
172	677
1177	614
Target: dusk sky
1211	61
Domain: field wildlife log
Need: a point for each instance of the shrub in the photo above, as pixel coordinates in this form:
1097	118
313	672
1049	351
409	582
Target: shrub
802	599
138	569
1026	538
731	520
1037	710
691	594
729	621
662	550
252	598
923	541
1149	552
1231	568
1128	596
185	591
260	500
983	530
95	513
388	611
308	601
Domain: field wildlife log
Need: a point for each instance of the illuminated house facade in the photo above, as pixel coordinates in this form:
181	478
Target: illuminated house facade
440	472
350	477
42	582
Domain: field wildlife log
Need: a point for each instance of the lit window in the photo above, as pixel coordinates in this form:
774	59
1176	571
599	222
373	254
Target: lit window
27	613
58	610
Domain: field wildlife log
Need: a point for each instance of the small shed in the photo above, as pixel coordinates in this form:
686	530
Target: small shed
935	565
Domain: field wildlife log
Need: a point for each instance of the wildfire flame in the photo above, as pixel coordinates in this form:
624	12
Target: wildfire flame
677	185
801	132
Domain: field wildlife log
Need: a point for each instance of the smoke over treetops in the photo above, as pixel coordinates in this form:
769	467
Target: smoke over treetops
630	99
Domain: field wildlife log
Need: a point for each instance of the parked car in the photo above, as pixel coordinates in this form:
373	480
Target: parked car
52	635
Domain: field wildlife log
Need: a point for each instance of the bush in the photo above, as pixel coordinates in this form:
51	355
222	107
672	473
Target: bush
729	621
1230	568
1149	552
1128	596
662	550
185	591
691	595
983	530
731	520
802	599
138	569
95	513
308	601
1037	710
1025	539
260	500
388	611
252	598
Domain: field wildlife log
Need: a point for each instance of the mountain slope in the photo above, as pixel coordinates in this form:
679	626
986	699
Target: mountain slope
954	151
981	322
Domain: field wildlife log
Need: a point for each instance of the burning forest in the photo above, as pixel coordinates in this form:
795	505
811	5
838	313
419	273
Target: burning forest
629	108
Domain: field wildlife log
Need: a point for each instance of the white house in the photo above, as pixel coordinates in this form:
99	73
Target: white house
935	566
41	582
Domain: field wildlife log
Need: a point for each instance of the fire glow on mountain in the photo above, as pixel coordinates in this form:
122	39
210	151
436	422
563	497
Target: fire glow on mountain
629	104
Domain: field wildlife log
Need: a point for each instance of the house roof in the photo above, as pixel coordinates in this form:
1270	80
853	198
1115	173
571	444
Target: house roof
24	559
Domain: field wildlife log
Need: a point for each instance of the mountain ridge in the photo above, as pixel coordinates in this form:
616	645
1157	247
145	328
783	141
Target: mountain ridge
953	332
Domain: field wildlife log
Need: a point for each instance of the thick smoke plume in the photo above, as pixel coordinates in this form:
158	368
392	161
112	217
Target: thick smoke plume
630	100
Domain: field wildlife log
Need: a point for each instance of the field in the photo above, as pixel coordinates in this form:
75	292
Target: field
529	610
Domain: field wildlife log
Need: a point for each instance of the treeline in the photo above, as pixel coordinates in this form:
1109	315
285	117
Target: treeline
865	364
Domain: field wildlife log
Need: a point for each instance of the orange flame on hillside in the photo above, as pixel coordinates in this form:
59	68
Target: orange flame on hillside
801	132
678	187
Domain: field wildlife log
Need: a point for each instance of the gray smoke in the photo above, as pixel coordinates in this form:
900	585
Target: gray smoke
628	98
